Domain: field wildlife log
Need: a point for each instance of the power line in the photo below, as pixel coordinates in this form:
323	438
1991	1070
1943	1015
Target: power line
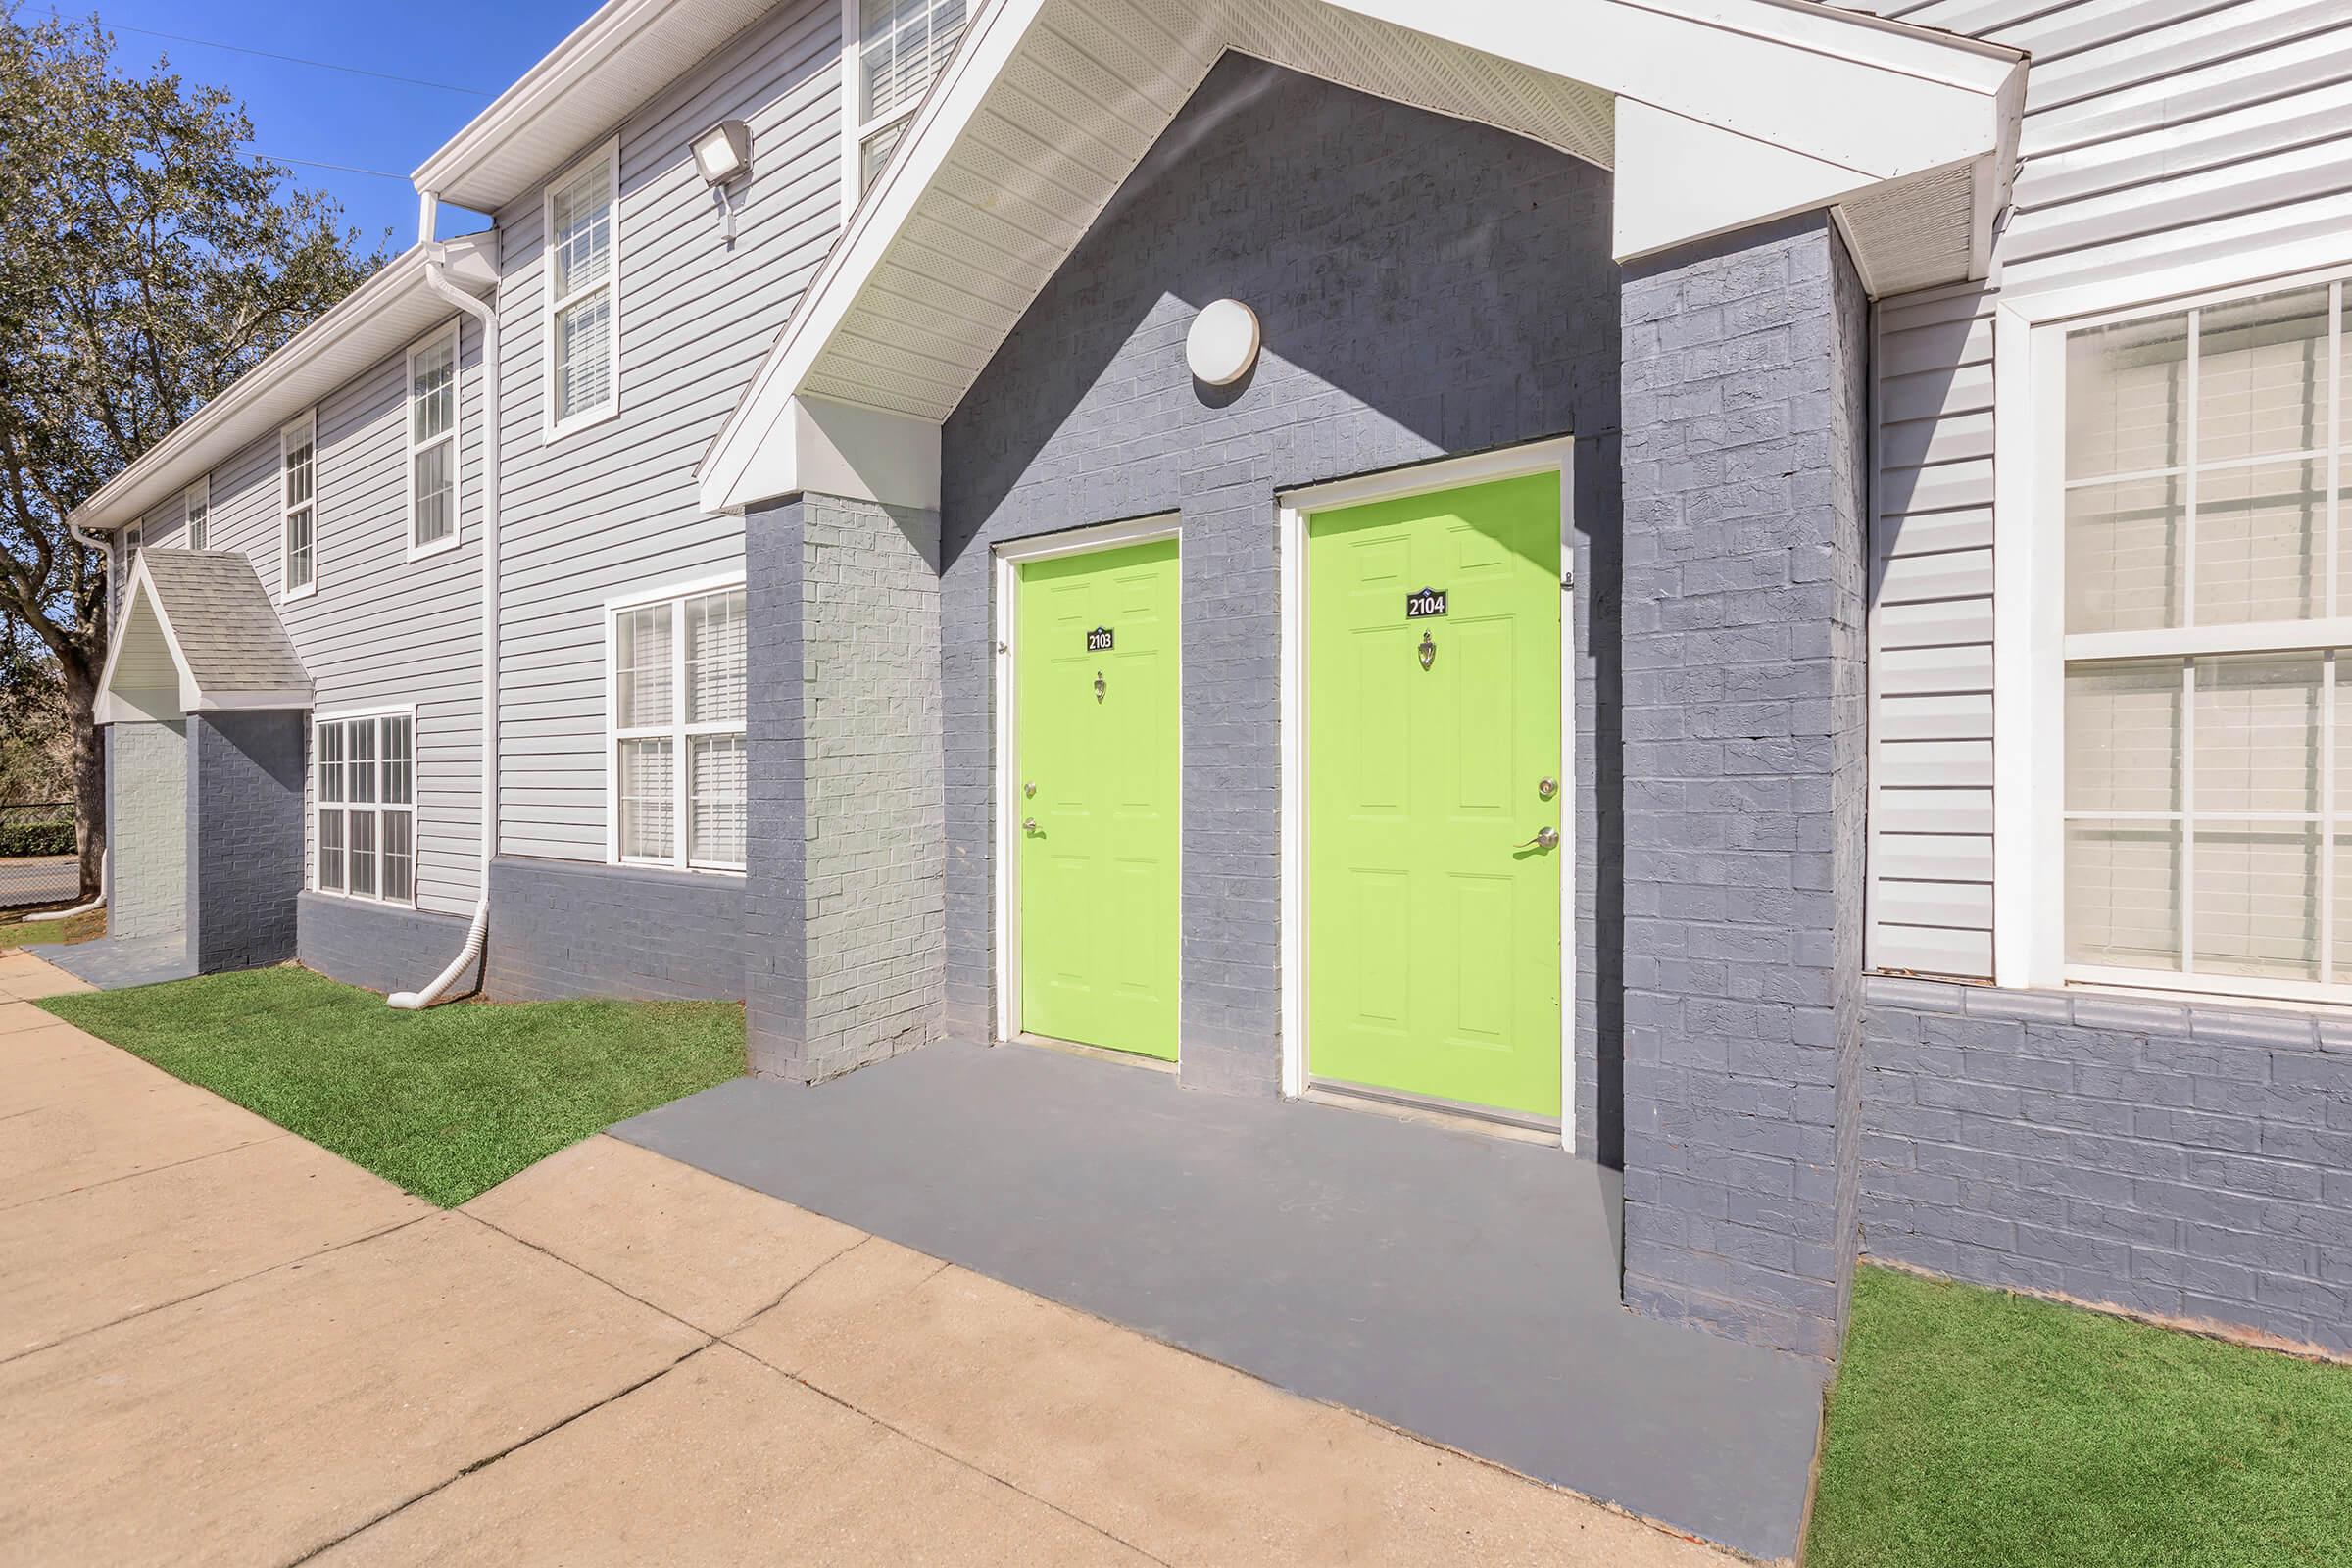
347	168
297	60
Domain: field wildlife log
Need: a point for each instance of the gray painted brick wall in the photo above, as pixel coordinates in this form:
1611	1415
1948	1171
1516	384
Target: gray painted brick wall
148	829
775	918
1425	287
1744	724
376	946
564	928
2182	1161
245	850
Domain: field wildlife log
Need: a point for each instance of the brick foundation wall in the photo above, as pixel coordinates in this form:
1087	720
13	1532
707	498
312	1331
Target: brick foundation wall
2183	1161
379	946
1317	207
1745	723
564	928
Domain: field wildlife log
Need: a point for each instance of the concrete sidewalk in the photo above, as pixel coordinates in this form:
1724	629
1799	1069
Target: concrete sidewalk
221	1343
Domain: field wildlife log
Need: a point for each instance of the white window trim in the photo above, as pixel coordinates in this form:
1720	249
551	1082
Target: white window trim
455	436
2031	645
306	426
553	429
198	497
677	730
857	132
406	711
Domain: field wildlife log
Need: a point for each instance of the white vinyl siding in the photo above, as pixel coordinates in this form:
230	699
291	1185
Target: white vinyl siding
680	784
382	631
582	224
432	424
616	513
2156	132
364	812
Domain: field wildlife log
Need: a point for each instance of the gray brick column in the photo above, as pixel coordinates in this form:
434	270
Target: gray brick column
845	897
245	838
1744	721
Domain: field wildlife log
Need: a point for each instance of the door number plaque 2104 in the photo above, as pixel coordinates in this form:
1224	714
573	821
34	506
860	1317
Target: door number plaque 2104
1423	605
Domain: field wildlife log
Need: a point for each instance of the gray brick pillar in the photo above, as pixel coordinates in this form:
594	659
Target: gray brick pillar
1743	720
245	838
845	896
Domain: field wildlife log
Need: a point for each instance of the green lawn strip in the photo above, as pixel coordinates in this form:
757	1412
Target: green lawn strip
30	933
1973	1427
447	1102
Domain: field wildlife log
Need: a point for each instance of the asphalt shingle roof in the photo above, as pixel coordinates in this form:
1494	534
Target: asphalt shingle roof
227	628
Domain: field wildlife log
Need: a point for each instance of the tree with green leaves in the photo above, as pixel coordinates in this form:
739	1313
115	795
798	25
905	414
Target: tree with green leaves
146	262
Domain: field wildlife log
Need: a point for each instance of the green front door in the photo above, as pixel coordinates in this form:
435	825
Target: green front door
1433	726
1095	709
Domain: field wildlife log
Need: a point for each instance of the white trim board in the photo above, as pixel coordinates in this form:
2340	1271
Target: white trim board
1295	506
1004	893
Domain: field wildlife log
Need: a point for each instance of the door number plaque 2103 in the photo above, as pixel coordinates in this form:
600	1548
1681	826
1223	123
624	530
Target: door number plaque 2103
1099	640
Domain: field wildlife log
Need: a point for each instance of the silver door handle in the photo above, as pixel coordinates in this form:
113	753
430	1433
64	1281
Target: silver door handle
1028	825
1547	838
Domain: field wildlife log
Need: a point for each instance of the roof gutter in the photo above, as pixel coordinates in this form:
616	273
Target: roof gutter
477	933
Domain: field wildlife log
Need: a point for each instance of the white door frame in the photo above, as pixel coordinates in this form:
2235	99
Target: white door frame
1010	557
1443	474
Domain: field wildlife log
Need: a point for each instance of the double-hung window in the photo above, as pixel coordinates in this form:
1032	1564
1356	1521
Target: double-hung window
298	511
582	322
364	790
199	503
2207	610
901	46
677	763
433	444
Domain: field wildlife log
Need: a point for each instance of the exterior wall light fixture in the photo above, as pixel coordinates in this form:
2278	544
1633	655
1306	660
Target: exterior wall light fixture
1222	345
724	153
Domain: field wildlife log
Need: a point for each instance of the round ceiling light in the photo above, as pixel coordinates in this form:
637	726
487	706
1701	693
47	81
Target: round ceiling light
1223	342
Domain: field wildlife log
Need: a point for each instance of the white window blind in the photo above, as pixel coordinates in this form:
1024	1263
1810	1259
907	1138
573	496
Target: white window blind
679	768
581	280
364	790
433	443
2206	613
200	512
903	46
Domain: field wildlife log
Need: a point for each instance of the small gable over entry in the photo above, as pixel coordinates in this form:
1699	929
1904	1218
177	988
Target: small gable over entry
196	633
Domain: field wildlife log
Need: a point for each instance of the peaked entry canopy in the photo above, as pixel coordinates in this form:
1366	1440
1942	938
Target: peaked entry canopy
1715	115
197	633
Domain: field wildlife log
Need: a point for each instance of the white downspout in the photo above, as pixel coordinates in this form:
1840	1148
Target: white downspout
476	934
106	565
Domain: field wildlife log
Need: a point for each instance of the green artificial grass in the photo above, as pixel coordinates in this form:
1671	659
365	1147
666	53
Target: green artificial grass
448	1102
1973	1427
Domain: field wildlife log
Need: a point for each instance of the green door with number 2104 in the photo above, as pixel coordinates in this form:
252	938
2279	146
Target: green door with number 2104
1095	711
1433	830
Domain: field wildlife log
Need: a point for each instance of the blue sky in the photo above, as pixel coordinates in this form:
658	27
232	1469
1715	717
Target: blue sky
337	117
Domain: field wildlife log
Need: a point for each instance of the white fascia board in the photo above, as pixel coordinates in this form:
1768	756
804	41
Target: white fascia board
1680	181
252	702
361	328
1884	101
766	415
837	449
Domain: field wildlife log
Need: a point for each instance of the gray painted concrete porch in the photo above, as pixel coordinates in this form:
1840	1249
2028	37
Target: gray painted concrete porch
1459	1286
116	964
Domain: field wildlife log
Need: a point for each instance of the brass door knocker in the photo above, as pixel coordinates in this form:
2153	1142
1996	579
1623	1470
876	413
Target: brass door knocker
1429	651
1099	687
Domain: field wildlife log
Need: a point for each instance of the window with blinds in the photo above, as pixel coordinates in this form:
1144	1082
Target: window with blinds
364	806
297	452
584	279
433	443
679	769
2206	612
903	46
199	502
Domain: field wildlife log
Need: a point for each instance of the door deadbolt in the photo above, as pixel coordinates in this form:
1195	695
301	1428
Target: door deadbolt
1029	790
1547	788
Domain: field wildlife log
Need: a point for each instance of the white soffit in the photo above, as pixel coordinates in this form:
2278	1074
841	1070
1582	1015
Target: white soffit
373	321
609	66
1050	105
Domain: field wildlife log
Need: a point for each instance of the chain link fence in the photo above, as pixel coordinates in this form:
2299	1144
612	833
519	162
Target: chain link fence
38	862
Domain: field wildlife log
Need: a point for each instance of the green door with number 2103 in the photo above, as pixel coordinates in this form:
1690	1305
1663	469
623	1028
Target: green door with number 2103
1433	830
1095	711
